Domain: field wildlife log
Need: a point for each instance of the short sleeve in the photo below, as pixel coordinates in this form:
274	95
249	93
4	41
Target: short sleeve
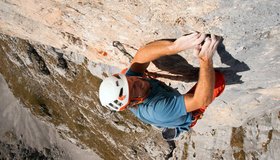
129	72
169	108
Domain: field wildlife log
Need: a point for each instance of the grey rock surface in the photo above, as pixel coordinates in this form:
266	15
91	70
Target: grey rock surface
62	47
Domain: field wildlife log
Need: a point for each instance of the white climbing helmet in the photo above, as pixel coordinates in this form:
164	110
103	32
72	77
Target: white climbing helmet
114	92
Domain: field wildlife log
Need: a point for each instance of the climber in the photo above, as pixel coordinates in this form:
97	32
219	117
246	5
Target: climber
157	104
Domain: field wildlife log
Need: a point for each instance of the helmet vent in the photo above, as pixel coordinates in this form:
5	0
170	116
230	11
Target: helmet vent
112	106
121	92
117	76
117	83
118	103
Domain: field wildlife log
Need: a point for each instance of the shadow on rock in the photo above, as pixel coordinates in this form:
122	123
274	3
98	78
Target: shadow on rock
178	68
172	146
181	70
235	66
176	65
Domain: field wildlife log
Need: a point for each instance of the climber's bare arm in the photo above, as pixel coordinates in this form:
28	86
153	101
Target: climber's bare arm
203	94
157	49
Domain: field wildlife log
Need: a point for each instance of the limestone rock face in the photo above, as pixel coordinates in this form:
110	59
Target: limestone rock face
53	55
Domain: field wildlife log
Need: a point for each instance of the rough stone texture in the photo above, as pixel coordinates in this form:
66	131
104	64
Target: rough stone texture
25	136
67	97
68	42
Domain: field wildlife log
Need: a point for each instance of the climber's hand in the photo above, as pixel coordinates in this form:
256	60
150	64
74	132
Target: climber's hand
188	41
208	48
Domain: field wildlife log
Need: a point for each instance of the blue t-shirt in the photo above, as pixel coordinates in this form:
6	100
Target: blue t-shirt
164	107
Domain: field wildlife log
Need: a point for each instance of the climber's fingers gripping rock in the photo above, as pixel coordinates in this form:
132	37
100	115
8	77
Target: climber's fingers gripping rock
206	50
189	41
